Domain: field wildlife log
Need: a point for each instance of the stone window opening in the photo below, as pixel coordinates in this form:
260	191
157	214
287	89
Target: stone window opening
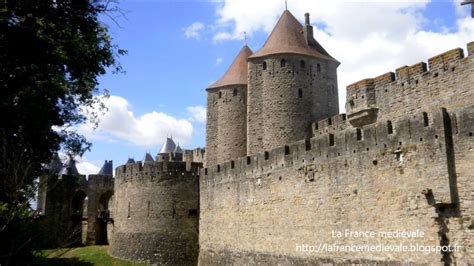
426	120
235	92
249	160
267	155
359	134
389	127
232	164
302	64
148	210
283	63
264	65
128	212
318	68
300	93
220	94
331	139
287	150
307	144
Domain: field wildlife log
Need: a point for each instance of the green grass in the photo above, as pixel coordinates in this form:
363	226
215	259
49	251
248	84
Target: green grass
83	256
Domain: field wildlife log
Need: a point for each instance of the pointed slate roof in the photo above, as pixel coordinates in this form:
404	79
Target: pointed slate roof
148	158
107	168
169	146
69	168
130	160
55	165
237	72
178	149
287	38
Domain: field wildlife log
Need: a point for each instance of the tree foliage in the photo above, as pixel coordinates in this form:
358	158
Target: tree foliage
51	55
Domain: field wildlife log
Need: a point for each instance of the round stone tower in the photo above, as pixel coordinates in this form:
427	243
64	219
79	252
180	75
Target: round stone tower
227	112
292	83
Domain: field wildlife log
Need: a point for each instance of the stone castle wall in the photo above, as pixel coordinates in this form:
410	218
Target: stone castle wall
156	212
413	176
447	81
285	98
66	209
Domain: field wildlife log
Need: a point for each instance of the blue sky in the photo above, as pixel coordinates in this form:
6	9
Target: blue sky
177	48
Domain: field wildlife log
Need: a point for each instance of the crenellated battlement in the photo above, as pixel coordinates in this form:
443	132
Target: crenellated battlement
329	125
160	170
383	136
443	81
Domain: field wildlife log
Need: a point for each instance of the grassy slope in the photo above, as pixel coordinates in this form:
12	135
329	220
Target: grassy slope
89	255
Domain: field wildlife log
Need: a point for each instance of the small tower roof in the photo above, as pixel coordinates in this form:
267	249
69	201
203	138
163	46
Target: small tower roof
69	168
237	72
130	161
55	165
168	146
287	38
107	168
148	158
178	149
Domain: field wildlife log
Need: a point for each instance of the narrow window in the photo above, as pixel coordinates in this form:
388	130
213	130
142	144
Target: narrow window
300	93
318	68
359	134
267	155
232	164
389	127
220	94
329	121
331	139
148	211
235	92
264	65
128	212
287	150
425	119
249	160
283	63
307	144
218	168
302	64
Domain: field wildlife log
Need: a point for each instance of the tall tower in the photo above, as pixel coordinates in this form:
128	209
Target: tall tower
226	130
292	82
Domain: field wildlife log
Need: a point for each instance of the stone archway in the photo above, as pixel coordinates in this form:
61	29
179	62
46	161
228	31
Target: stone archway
103	217
77	218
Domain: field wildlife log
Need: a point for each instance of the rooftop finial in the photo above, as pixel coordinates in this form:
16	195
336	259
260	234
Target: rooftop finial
245	37
286	4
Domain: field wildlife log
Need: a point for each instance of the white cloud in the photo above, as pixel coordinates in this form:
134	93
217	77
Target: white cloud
218	61
198	113
369	38
120	124
85	167
194	30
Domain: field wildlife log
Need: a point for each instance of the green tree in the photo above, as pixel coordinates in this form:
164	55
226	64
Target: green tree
51	55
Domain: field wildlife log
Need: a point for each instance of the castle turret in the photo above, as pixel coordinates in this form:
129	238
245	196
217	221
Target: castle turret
292	82
226	113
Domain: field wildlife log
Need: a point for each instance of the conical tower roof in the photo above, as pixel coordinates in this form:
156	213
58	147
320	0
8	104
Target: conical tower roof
178	149
148	158
168	147
237	72
55	166
130	161
287	38
69	168
107	168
